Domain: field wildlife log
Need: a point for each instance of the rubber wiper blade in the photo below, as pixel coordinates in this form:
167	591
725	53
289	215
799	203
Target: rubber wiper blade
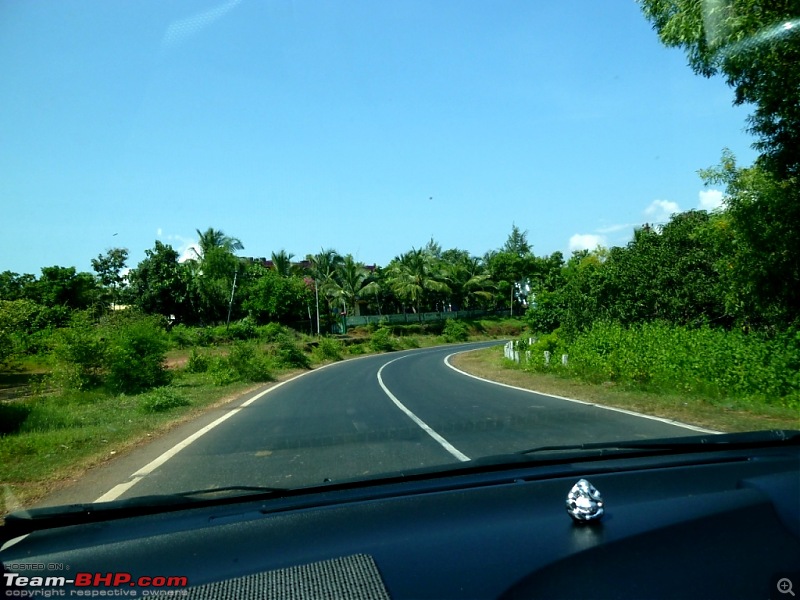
706	441
48	517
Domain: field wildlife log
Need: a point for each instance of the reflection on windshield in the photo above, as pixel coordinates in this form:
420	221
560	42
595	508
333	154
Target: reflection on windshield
213	207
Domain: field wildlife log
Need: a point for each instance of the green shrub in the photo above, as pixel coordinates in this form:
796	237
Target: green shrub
245	363
286	353
77	355
221	372
249	363
271	332
162	399
711	362
356	349
329	349
381	341
198	362
408	342
135	356
243	330
455	331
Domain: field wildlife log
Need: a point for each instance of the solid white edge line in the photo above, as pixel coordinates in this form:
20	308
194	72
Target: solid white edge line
424	426
619	410
136	477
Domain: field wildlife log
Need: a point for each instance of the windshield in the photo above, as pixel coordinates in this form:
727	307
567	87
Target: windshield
283	244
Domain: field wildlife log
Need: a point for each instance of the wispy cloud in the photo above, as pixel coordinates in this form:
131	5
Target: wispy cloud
182	29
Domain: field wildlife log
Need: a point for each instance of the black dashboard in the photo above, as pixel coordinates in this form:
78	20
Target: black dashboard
720	522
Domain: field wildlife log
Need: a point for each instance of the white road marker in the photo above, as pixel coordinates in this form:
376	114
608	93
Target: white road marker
121	488
620	410
425	427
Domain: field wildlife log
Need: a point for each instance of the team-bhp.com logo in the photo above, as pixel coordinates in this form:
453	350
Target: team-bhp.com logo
93	585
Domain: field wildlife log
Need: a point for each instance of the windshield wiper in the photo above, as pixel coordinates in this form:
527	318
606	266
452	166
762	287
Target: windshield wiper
680	444
33	519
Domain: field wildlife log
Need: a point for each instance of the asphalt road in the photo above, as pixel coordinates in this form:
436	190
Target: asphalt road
377	414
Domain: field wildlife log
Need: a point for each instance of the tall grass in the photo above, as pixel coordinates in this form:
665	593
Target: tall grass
705	361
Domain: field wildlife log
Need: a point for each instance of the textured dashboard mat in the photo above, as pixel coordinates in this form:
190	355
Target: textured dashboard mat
353	577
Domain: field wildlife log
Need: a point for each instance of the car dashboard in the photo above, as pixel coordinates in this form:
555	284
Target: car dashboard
722	522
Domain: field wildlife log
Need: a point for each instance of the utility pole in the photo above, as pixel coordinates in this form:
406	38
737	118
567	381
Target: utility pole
230	303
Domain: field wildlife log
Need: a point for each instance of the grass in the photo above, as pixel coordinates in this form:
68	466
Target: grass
63	435
49	441
719	414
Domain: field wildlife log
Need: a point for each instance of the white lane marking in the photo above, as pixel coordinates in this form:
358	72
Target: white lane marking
135	478
425	427
620	410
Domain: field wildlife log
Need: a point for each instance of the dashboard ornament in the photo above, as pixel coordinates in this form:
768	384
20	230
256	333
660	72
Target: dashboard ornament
584	502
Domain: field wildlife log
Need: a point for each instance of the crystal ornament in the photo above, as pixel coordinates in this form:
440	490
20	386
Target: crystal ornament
584	502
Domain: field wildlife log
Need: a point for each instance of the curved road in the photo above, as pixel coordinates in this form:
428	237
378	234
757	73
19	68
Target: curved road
381	413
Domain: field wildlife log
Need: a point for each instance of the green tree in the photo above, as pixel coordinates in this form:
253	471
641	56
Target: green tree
414	276
109	269
213	273
282	263
755	46
352	281
749	43
269	296
160	284
759	233
212	239
65	287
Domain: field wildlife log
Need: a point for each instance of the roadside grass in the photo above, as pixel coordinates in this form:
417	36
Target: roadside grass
720	414
61	435
48	441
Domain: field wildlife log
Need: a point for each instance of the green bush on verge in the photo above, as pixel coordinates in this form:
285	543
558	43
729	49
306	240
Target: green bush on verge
328	349
245	362
162	399
455	331
381	341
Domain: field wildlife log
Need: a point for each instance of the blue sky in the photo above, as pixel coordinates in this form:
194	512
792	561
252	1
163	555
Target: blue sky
365	126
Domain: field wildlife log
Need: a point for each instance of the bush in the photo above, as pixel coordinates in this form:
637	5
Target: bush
162	399
78	355
711	362
243	330
135	355
244	363
381	341
409	341
356	349
287	354
198	362
271	332
328	349
455	331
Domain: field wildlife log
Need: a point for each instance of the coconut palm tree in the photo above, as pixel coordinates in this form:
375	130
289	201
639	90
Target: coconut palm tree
282	263
415	274
351	281
215	238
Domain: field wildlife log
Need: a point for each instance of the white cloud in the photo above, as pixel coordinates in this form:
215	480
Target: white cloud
186	248
660	211
710	199
159	232
586	241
